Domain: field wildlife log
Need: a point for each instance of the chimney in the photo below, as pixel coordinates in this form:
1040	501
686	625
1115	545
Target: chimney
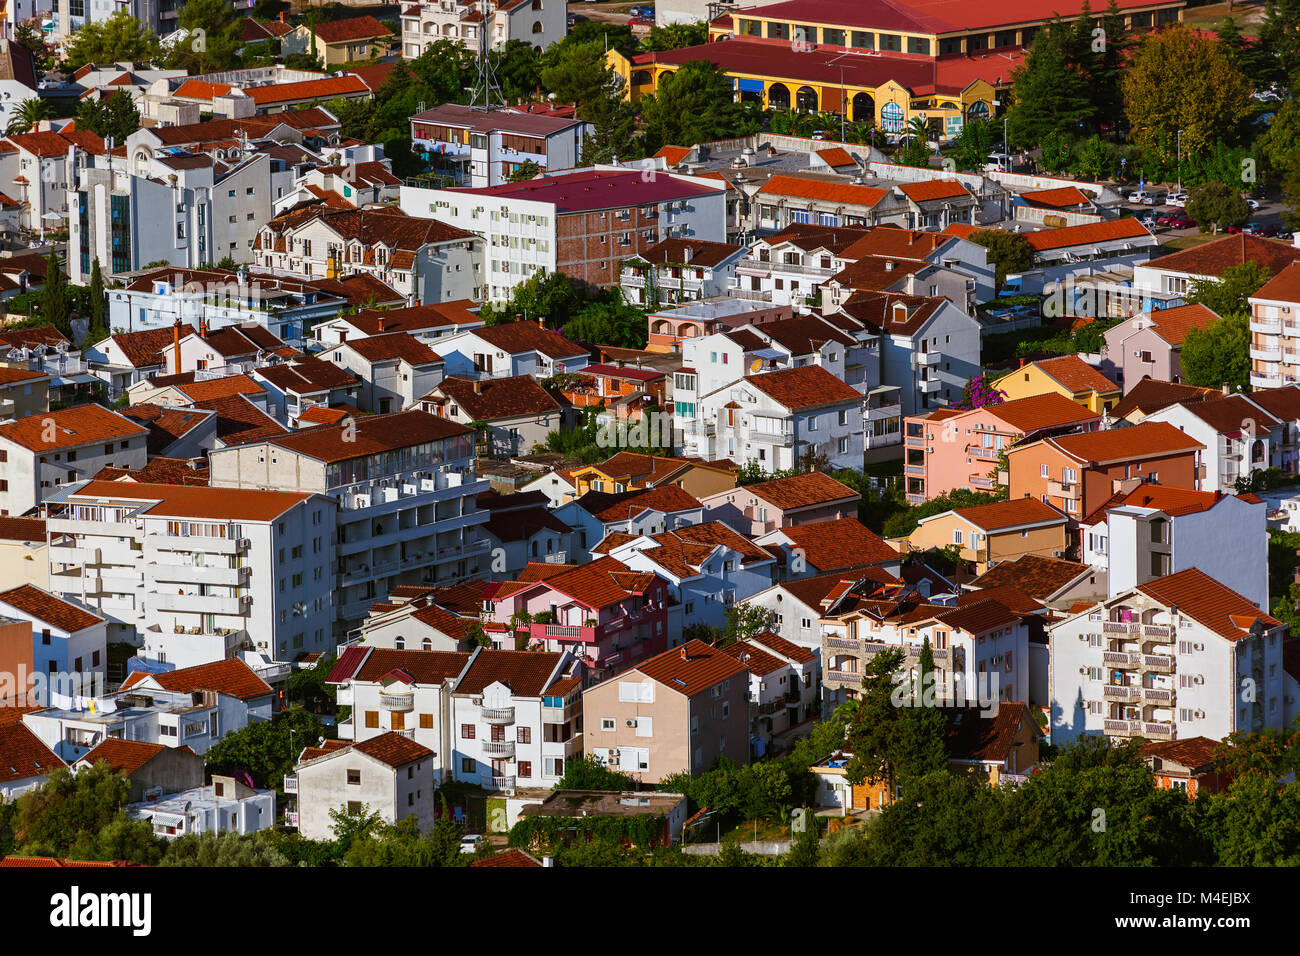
381	323
547	861
1022	363
176	346
1227	390
478	386
541	323
203	328
685	655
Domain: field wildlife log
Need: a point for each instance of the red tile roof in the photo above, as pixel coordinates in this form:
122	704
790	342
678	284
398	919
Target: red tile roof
1063	197
353	28
1212	605
22	755
802	491
932	189
374	434
22	529
1194	753
1112	230
239	421
322	89
510	857
692	668
845	194
1172	325
365	664
526	673
394	345
497	398
1122	444
197	501
124	756
231	677
1074	374
73	427
1011	513
393	749
143	349
838	544
628	504
1049	410
1212	258
809	386
1036	576
49	609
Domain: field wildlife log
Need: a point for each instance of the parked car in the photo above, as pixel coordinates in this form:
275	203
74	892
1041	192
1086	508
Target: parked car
1165	218
471	842
1253	204
1181	221
1176	199
1154	199
1234	230
1139	196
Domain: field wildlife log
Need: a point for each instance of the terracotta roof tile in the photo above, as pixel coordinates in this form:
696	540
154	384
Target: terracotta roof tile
1074	374
124	756
197	501
1172	325
1037	412
838	544
496	398
374	434
393	749
425	667
1112	230
526	673
627	504
1011	513
802	491
691	668
1064	197
1212	605
353	28
22	754
1121	444
231	677
322	89
847	194
73	427
22	529
143	349
394	345
239	421
1194	753
1036	576
809	386
1213	258
516	337
932	189
1150	395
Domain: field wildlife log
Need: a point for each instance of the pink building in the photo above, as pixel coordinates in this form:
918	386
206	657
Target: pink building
950	448
1150	345
603	612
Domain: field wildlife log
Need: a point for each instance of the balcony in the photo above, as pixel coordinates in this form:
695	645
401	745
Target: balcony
749	295
916	471
212	545
926	358
1157	731
1156	632
499	748
1116	692
397	703
503	782
979	451
841	644
1266	354
1158	663
930	386
203	604
1160	696
227	577
1266	326
1122	660
1064	489
1123	728
290	783
499	716
562	632
842	678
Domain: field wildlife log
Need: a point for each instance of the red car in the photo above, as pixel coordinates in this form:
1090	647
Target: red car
1181	221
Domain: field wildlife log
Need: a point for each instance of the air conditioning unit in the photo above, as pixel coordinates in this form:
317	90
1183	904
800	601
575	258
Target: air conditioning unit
1058	554
631	723
1199	715
1083	671
1198	679
1198	647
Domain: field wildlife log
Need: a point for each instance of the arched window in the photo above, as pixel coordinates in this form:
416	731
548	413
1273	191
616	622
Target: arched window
400	643
427	645
537	27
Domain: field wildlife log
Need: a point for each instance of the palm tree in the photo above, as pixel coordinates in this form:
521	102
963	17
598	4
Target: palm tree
29	113
918	127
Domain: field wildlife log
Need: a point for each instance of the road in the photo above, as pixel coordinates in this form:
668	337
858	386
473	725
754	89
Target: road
602	12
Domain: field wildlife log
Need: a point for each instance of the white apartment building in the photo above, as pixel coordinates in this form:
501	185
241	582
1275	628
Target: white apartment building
190	211
426	260
405	485
1275	330
39	169
1238	435
391	775
1177	657
395	369
929	347
1155	531
399	691
193	574
486	148
192	707
66	640
538	23
509	350
784	686
516	719
40	453
776	419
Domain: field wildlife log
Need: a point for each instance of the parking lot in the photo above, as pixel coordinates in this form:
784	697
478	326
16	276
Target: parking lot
1267	216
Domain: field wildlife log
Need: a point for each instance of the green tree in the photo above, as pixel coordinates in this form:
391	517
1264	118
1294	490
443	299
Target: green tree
525	171
1010	252
576	73
613	120
674	36
588	773
1094	158
213	40
447	70
920	730
744	621
971	150
30	112
30	37
550	297
267	750
1219	353
694	104
609	321
114	116
120	38
871	734
1048	93
1216	205
1056	151
518	70
1278	49
1231	291
98	304
56	300
224	850
308	687
1179	80
70	811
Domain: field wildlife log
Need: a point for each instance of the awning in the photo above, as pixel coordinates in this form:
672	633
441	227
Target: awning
749	86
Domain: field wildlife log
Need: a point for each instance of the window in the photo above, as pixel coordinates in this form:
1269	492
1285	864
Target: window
354	808
468	765
607	724
466	731
372	718
1043	471
354	778
525	768
426	721
524	735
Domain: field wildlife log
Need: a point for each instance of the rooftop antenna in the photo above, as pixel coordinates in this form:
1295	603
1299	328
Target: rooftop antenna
486	95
